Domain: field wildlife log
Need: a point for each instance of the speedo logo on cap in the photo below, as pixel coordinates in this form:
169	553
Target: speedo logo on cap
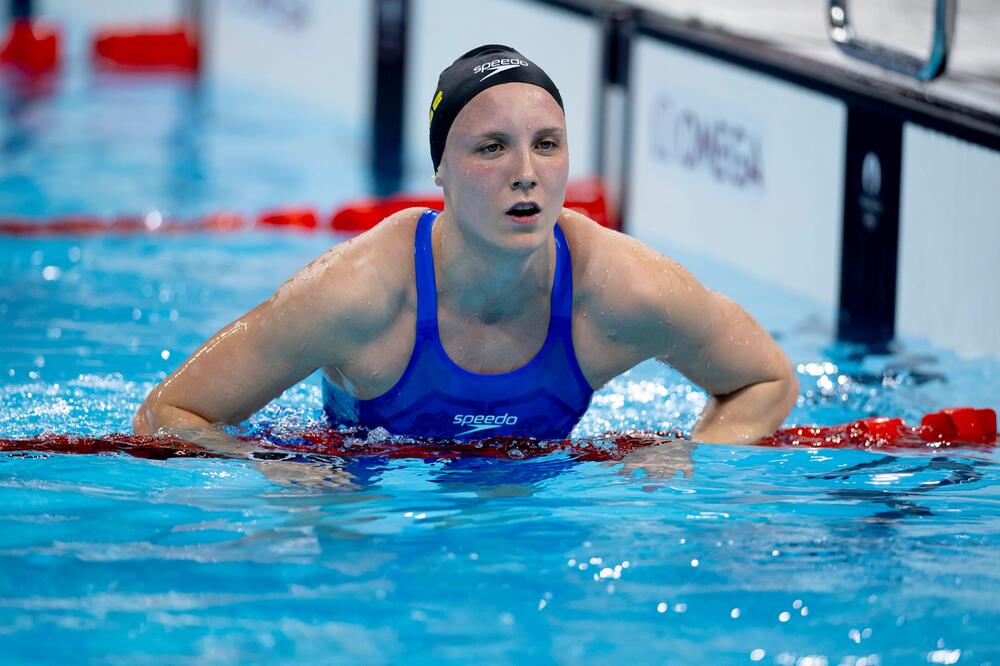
497	66
480	422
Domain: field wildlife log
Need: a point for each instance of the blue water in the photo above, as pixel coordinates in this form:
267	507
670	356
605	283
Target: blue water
744	555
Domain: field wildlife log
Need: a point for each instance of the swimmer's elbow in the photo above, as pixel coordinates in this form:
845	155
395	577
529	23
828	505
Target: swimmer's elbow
156	415
788	394
144	422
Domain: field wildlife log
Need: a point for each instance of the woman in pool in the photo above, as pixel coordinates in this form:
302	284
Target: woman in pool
498	316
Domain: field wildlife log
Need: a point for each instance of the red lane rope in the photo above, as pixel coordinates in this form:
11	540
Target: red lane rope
30	46
171	48
954	427
34	46
584	196
958	428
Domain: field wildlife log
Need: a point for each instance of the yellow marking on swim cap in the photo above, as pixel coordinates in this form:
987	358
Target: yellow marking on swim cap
437	100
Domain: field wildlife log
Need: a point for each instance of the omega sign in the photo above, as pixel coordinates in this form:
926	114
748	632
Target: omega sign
702	140
293	14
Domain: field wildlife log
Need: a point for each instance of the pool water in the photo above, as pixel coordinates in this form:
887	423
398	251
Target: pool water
743	555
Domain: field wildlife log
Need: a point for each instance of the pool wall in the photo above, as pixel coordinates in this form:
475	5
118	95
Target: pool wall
879	205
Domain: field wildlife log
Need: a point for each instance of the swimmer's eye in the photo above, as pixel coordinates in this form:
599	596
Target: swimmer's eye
490	148
548	144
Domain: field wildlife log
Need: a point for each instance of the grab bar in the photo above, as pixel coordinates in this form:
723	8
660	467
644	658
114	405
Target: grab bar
843	35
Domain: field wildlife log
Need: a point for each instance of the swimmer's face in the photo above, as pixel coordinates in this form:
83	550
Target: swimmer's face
507	147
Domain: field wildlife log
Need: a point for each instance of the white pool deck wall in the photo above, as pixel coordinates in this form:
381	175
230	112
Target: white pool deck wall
313	52
737	166
948	284
92	14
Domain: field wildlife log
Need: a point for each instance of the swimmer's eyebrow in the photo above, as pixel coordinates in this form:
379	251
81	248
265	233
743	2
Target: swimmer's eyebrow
552	131
556	131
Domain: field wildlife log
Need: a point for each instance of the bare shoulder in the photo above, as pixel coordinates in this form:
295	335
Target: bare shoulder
614	270
359	285
631	302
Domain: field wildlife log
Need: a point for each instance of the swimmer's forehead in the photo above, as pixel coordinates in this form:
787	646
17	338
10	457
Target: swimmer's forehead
508	109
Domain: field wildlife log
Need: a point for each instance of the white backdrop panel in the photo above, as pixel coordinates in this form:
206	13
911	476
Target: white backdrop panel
90	14
948	288
79	20
566	45
736	166
313	51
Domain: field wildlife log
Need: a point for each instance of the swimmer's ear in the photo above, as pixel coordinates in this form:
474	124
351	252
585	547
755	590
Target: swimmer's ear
437	179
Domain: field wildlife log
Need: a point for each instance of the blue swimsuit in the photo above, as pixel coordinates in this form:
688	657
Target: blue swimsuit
436	397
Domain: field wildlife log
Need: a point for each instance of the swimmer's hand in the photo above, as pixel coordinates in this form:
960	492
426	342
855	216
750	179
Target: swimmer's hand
313	475
660	461
209	438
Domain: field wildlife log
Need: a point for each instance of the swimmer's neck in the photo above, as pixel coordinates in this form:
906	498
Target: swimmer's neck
478	281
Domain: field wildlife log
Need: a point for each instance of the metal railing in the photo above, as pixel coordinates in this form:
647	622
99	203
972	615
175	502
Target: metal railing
924	69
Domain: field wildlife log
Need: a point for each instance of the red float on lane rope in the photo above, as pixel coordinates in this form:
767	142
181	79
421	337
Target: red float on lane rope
299	218
949	427
585	196
89	225
147	48
873	433
30	46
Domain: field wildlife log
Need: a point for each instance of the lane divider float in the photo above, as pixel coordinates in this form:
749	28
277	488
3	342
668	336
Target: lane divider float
147	48
30	46
955	428
33	46
355	216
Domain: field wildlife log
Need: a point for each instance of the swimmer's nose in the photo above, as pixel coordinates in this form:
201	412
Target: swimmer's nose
524	174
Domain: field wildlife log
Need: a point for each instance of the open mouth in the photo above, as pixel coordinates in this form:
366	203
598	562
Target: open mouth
526	209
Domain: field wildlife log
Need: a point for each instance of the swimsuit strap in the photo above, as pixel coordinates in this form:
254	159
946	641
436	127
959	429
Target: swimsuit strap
424	258
562	281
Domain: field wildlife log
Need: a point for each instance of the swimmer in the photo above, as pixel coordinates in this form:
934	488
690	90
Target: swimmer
498	316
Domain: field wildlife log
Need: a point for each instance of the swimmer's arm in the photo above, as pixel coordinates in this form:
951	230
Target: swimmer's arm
717	345
750	380
302	327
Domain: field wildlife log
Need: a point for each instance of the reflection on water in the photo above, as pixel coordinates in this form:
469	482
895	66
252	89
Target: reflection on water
783	551
897	501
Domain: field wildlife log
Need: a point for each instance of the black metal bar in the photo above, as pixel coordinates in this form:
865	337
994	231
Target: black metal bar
871	227
390	77
21	9
614	106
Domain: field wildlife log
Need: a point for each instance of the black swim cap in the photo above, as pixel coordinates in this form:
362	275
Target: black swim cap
471	74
